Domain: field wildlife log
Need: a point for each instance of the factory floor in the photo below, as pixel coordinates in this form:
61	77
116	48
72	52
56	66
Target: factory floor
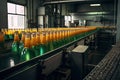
64	73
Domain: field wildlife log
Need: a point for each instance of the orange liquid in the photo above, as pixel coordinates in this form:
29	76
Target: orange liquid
16	37
37	38
23	37
47	37
68	33
1	37
51	36
54	35
27	41
58	35
33	39
63	34
43	38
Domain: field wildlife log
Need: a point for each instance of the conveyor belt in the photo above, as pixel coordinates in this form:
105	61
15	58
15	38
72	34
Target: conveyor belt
21	69
108	68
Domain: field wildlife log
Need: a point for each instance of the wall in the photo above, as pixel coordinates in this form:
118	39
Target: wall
96	20
118	22
95	16
109	7
3	14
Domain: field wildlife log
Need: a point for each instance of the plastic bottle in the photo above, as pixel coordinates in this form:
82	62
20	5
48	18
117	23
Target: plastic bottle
27	52
1	40
34	44
42	47
22	41
15	44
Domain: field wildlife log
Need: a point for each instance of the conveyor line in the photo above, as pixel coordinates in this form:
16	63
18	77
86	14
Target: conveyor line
22	66
108	68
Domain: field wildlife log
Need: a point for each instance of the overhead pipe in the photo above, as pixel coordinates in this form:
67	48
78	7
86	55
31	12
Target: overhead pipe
65	1
73	1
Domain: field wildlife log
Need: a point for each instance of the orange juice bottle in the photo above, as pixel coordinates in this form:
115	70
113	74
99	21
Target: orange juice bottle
15	44
5	31
42	48
1	40
27	53
51	36
55	35
47	37
37	38
11	34
27	41
33	40
22	41
1	37
35	43
43	38
51	40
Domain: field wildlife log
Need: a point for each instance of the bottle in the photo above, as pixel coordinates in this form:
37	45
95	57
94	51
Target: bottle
37	39
33	39
15	44
47	43
27	53
34	43
21	44
66	36
55	39
11	36
51	40
69	35
60	37
42	48
38	43
63	37
5	31
1	40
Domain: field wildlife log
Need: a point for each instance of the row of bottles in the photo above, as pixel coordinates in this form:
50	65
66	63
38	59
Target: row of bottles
38	42
29	43
9	33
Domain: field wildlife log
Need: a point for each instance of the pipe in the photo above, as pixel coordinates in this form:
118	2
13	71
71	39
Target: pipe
65	1
73	1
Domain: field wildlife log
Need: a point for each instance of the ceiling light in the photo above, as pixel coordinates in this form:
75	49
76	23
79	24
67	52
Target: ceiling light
93	13
95	4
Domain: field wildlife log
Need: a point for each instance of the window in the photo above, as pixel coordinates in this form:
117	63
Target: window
67	20
16	16
40	21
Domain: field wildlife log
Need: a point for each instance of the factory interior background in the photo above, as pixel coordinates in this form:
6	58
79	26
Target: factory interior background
59	39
